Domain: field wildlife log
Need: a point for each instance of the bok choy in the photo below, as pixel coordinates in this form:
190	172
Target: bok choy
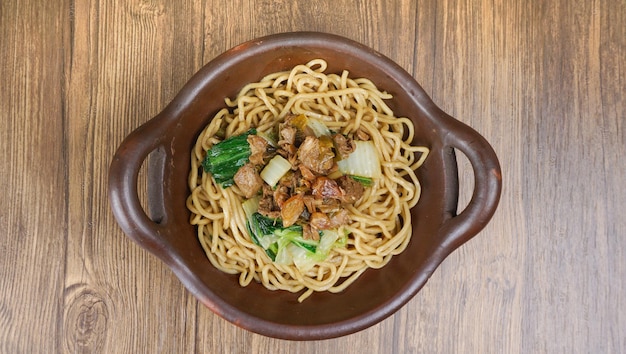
362	162
275	169
286	245
226	157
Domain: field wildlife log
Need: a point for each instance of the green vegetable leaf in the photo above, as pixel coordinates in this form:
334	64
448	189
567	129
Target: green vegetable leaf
225	158
365	181
286	245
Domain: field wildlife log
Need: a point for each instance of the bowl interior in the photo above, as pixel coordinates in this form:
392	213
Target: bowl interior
378	293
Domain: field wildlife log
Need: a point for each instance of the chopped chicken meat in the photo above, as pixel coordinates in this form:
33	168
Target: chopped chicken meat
344	145
305	195
316	155
351	189
258	149
248	180
291	209
324	187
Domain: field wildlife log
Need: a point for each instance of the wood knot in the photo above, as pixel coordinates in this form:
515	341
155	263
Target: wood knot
86	320
146	9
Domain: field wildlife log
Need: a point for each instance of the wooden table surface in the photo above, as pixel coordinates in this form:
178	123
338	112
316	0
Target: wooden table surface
543	81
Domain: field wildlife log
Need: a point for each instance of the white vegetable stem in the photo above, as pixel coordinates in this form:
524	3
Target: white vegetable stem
275	169
363	161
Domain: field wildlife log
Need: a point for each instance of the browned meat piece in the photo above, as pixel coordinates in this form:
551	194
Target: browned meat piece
351	189
309	203
287	134
286	141
344	146
290	153
281	194
291	210
300	185
300	123
248	180
328	205
272	214
257	144
304	185
267	206
258	149
309	233
307	173
316	155
288	180
267	191
342	217
320	221
257	159
361	134
324	187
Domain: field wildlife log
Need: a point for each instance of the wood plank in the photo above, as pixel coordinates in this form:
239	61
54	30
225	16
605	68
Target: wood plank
478	44
542	81
32	178
575	149
126	66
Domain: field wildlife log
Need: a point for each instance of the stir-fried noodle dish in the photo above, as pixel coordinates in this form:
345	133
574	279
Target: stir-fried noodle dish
304	181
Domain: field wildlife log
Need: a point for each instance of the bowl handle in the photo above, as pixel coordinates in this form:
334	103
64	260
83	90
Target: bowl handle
123	177
487	185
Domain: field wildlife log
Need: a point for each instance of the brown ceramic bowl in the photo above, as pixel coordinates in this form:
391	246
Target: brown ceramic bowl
165	231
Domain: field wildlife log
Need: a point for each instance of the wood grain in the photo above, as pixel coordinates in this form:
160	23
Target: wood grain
33	216
544	82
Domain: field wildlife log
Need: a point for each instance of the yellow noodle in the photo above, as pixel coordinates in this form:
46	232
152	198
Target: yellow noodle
381	220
